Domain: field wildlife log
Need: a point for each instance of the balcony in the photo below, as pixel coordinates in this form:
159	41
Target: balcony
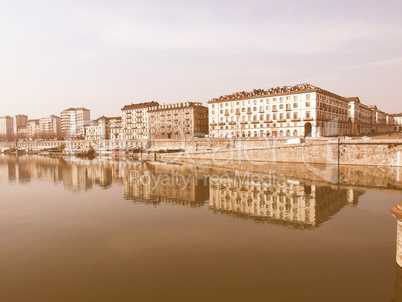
226	114
213	124
308	119
237	113
268	121
255	122
243	122
274	110
232	123
288	109
282	120
295	120
222	123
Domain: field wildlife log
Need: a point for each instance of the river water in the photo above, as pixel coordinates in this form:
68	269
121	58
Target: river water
102	230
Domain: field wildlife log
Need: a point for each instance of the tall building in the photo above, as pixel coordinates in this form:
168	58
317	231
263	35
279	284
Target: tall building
115	126
73	121
6	126
33	128
19	121
50	126
300	110
135	120
178	120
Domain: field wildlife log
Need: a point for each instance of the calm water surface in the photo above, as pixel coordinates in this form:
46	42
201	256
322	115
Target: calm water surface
79	230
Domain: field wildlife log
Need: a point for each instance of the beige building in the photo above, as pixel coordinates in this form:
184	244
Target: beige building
361	116
73	121
50	127
187	119
397	122
33	128
19	121
290	111
6	127
115	128
98	129
135	120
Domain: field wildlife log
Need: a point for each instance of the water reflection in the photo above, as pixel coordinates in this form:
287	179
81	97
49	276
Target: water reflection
285	202
266	197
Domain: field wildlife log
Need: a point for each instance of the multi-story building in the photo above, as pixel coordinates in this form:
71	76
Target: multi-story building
379	119
300	110
6	126
19	121
50	126
187	119
135	120
73	121
33	128
397	122
115	126
361	116
98	129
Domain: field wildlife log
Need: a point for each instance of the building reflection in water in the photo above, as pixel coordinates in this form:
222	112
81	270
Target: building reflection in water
278	201
274	199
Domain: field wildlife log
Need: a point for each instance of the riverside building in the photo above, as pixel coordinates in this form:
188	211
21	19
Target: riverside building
73	121
135	120
186	119
300	110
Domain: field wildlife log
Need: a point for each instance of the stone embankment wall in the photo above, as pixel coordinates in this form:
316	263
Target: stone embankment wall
256	150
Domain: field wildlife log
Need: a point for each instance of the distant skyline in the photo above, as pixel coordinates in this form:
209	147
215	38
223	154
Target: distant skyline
103	55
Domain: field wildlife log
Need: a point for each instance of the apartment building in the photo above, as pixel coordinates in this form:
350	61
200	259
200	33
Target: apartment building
98	129
6	126
50	126
135	120
73	121
300	110
178	120
33	128
115	127
19	121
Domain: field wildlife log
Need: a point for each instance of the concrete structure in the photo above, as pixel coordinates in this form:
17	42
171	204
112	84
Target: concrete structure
135	120
300	110
73	121
19	121
6	127
187	119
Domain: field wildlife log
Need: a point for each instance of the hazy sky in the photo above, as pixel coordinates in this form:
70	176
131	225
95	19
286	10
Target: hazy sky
104	54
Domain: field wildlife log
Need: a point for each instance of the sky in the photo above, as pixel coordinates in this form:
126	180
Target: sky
102	55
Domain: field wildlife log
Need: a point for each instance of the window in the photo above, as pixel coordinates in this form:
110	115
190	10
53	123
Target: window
295	97
274	116
281	116
295	115
308	114
308	104
273	107
268	107
281	106
307	96
267	117
288	98
213	111
295	105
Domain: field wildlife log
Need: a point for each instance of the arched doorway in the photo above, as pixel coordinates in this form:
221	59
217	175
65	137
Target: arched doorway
307	129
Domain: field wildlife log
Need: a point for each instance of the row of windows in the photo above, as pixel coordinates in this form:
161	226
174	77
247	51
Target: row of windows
261	108
255	101
262	117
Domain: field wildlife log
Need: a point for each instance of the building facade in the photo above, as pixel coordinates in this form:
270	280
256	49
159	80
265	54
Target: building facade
361	117
19	121
33	128
6	127
135	120
50	127
97	129
73	121
300	110
178	120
